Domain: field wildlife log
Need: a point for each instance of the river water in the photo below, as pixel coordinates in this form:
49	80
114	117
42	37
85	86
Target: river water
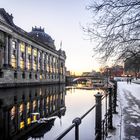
22	108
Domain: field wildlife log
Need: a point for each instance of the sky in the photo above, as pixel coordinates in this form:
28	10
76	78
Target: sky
63	21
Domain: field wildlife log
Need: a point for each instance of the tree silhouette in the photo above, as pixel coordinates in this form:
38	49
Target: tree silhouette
115	27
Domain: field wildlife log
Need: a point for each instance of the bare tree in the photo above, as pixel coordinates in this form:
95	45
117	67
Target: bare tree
115	27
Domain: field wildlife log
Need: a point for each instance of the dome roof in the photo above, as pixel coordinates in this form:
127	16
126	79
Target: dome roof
40	35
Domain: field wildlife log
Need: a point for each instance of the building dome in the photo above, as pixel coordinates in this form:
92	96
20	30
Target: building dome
40	35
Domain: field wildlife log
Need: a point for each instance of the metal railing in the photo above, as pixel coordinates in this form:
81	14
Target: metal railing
101	126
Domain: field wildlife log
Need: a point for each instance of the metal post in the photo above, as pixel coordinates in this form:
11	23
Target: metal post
77	122
98	117
110	126
115	98
106	114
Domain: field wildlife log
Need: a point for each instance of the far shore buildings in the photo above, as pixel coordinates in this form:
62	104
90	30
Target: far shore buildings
28	58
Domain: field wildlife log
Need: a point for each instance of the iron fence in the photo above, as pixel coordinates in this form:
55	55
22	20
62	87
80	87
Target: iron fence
101	125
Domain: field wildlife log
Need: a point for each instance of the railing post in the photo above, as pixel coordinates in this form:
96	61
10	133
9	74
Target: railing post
110	126
115	98
77	122
98	117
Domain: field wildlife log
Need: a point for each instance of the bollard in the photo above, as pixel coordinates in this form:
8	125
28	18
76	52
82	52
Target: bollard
110	126
98	117
77	122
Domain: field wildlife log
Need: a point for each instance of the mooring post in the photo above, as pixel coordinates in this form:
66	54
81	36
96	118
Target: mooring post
110	126
98	117
77	122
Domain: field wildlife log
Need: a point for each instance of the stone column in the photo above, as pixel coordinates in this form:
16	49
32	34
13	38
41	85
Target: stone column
6	52
42	61
37	59
55	67
18	54
46	62
32	57
9	51
52	63
26	55
49	63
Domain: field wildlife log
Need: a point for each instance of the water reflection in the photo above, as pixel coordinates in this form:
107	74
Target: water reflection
23	109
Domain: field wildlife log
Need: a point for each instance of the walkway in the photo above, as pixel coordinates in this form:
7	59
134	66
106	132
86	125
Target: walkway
127	121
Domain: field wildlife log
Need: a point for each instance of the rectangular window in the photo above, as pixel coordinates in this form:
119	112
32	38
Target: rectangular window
15	75
29	50
30	76
22	64
1	74
40	76
35	52
13	61
23	75
22	47
13	44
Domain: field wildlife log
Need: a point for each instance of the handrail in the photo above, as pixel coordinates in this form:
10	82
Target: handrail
65	132
74	124
77	121
88	111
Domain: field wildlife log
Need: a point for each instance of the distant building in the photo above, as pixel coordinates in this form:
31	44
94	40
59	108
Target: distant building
68	73
28	58
132	66
114	71
117	71
85	73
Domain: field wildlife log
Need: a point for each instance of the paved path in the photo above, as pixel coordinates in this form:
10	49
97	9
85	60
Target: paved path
127	121
129	97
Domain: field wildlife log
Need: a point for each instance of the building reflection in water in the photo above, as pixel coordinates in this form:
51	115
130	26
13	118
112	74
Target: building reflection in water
22	109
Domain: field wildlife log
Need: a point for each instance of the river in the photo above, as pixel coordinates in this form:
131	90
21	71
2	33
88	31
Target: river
21	108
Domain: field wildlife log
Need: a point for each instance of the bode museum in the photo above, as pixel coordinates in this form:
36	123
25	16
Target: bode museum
28	58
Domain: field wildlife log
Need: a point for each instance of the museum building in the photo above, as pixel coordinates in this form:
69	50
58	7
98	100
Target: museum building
28	58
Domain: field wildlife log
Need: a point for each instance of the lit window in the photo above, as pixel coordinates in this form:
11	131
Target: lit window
22	124
21	109
34	105
35	52
13	112
47	100
34	66
29	50
28	121
40	76
34	117
13	44
13	61
22	47
22	64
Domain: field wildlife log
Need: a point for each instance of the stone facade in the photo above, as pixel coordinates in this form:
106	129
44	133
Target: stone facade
28	58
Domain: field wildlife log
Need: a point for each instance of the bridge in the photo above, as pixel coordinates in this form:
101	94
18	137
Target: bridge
71	79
